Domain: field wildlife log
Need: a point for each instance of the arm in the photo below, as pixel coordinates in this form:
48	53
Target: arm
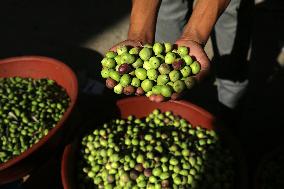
143	20
198	29
142	23
144	16
202	20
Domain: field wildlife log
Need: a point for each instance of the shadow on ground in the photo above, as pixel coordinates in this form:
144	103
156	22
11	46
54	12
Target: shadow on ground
25	23
57	28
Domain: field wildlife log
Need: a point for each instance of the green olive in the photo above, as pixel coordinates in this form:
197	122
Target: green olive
29	109
143	153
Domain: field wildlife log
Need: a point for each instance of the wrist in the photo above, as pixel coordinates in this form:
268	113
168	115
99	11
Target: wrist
194	37
142	37
190	40
143	21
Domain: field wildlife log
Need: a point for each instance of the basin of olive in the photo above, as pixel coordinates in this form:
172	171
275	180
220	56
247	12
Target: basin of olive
160	72
160	151
29	108
35	67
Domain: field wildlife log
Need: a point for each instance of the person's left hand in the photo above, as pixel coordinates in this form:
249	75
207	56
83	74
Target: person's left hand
197	51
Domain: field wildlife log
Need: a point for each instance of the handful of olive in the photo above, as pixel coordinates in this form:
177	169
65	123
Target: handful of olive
159	71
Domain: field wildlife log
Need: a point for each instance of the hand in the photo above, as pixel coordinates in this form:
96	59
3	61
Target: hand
197	51
127	42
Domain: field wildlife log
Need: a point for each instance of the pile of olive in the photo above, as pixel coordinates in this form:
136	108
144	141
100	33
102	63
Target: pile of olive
29	108
160	151
159	71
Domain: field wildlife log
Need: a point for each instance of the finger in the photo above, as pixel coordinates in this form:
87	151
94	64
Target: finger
201	75
130	43
115	47
126	43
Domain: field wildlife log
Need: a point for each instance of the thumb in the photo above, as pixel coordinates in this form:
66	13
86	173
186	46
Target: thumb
127	43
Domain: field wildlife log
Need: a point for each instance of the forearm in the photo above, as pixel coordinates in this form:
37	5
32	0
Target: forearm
202	20
143	20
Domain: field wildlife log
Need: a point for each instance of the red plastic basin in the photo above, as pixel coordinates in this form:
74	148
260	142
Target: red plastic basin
38	67
141	107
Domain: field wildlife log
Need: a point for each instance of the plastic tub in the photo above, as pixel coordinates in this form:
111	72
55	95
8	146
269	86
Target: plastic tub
140	107
38	67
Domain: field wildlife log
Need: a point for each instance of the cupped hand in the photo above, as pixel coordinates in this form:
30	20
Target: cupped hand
197	51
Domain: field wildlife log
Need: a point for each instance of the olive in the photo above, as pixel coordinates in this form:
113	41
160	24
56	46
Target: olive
129	90
147	172
134	174
139	91
124	68
161	64
165	183
178	64
139	167
161	150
